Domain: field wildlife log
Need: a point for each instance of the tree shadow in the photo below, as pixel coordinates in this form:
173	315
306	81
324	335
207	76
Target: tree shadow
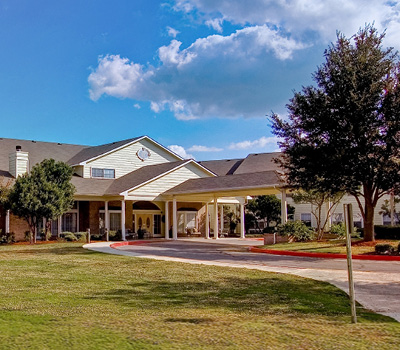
271	295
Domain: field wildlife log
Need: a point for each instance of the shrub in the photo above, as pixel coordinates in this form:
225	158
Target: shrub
339	229
80	236
296	231
384	249
69	236
115	235
7	237
45	235
27	236
387	232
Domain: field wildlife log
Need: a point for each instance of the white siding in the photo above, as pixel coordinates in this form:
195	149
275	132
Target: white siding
157	187
347	199
125	160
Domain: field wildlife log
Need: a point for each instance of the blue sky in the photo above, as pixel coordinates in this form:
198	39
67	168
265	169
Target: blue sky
199	76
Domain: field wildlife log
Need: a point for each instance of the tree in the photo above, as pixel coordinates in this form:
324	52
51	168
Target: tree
45	193
344	134
268	208
318	200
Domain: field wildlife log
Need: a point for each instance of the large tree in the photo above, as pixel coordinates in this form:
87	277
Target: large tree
46	192
344	133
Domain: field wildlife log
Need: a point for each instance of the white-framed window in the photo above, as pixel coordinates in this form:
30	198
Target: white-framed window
114	217
70	220
306	218
103	173
186	221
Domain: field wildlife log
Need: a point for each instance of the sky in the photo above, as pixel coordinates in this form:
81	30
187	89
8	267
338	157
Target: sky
199	76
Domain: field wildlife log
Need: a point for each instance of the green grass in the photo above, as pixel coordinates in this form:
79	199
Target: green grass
60	296
337	246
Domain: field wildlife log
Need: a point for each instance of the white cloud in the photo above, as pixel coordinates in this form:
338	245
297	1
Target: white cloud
137	106
299	17
199	148
179	150
270	143
172	32
215	23
216	76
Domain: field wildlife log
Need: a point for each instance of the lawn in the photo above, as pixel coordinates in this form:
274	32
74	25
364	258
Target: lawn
337	246
60	296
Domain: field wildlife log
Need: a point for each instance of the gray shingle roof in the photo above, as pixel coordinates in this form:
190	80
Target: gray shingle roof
226	183
38	151
95	151
222	167
258	162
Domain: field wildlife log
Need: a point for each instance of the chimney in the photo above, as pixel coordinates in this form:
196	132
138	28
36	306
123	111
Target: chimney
18	162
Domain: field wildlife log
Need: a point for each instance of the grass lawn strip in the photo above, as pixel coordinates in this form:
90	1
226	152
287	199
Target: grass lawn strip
60	296
331	246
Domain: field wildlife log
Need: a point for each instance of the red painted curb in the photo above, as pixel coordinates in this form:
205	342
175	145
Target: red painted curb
121	244
324	255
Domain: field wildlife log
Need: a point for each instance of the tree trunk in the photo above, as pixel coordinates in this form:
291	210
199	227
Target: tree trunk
369	234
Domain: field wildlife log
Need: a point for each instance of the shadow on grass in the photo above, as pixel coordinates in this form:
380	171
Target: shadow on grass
273	295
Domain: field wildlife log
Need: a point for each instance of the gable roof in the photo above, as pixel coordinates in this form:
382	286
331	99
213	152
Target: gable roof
90	153
94	152
227	183
100	187
38	151
222	167
258	162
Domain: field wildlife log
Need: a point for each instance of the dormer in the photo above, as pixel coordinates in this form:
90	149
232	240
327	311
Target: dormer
18	162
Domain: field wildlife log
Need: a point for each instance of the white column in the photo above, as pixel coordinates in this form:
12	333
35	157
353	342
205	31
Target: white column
59	228
283	207
215	218
242	218
7	221
123	220
106	217
167	220
329	216
391	208
207	222
174	220
221	218
77	217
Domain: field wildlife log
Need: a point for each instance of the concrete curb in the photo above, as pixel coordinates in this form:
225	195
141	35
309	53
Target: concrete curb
323	255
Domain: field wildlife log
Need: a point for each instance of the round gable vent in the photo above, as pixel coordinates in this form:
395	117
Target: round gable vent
143	154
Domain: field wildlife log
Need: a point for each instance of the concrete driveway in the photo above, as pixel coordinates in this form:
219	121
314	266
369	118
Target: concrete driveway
377	283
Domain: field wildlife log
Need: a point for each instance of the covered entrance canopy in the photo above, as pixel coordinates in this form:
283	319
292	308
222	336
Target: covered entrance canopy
238	186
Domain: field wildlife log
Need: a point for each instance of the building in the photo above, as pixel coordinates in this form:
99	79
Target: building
138	184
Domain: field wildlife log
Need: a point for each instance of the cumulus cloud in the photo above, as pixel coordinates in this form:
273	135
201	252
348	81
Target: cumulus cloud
180	151
216	76
269	143
299	17
199	148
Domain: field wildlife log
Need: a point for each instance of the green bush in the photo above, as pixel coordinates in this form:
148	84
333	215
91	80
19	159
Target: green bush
7	237
384	249
45	235
296	231
80	236
115	235
387	232
68	236
339	229
268	230
27	236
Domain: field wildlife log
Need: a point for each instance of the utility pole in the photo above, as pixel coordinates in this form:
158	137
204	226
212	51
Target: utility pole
348	220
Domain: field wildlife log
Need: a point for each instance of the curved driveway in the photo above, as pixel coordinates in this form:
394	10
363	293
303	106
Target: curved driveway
377	283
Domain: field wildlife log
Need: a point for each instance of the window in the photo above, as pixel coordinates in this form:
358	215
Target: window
306	218
157	224
103	173
69	222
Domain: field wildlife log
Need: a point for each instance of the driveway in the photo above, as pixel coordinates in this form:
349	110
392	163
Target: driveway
377	283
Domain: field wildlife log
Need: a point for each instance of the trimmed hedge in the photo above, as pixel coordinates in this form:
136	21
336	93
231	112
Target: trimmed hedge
385	232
